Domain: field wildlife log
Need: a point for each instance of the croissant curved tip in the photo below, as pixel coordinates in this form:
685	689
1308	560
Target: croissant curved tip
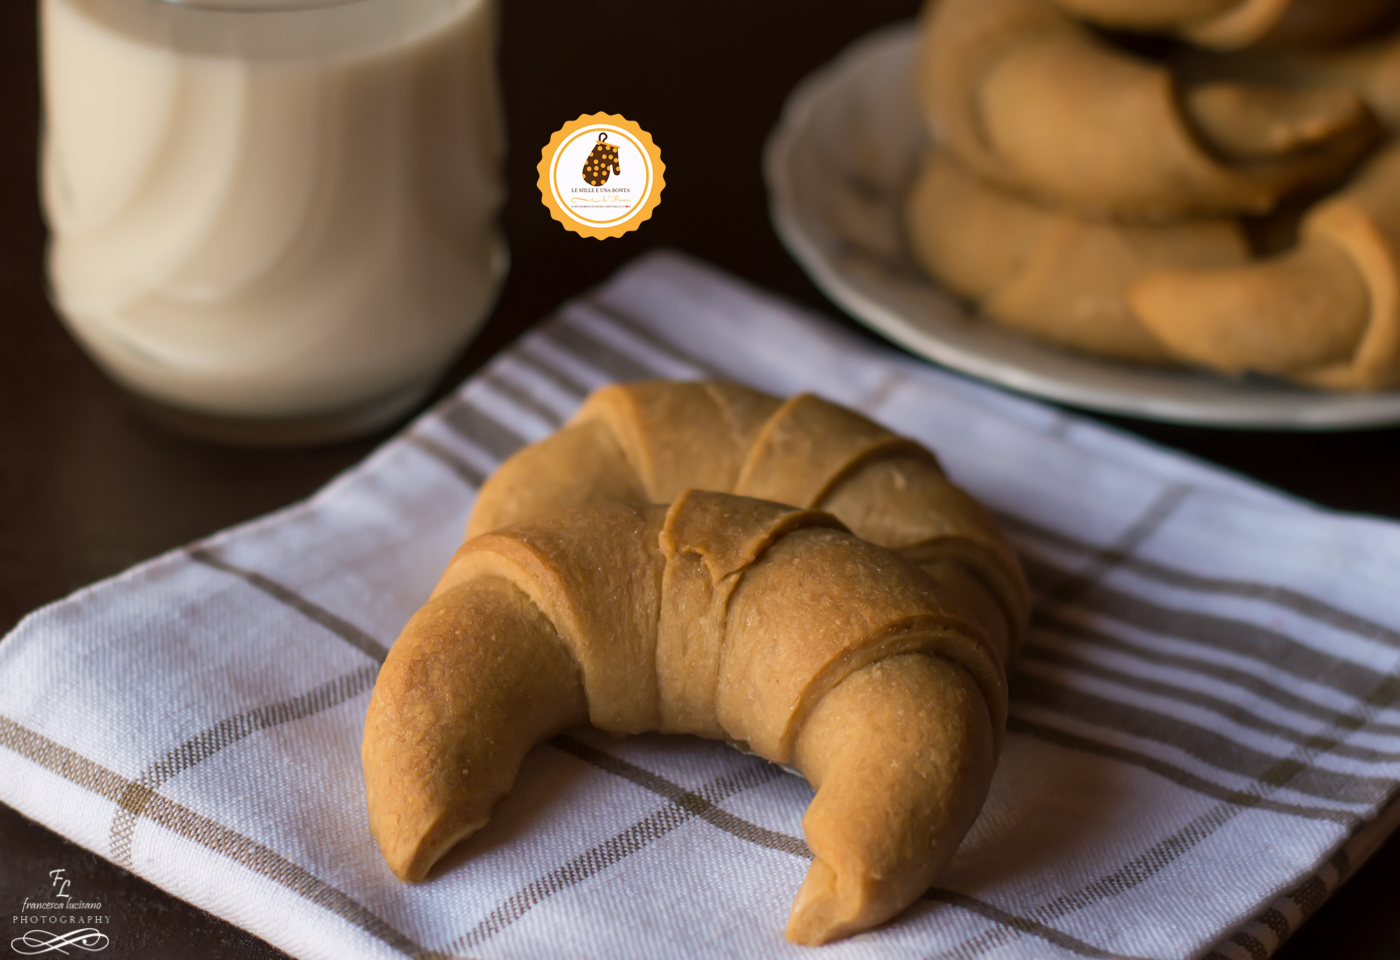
415	863
411	871
824	911
403	858
412	859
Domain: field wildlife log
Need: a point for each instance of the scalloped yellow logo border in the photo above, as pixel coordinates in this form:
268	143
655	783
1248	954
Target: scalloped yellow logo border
556	181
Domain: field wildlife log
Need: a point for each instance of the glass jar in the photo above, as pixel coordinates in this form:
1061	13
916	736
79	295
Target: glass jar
273	220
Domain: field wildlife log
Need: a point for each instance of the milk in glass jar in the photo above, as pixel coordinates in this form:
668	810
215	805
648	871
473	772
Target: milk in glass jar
273	220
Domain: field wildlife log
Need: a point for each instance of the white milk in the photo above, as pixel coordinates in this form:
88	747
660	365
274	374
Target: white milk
273	214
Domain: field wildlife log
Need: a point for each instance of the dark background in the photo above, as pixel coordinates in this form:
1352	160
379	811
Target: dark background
88	488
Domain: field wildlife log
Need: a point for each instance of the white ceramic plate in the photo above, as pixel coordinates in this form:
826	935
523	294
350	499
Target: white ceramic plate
838	166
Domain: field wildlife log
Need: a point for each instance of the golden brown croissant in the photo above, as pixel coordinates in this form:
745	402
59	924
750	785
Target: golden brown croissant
1326	313
1028	98
880	675
721	616
1047	273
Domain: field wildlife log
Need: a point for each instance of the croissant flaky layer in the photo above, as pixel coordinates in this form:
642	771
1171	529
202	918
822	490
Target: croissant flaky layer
596	586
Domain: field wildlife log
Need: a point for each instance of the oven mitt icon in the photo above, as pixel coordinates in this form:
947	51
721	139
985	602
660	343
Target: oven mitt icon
601	162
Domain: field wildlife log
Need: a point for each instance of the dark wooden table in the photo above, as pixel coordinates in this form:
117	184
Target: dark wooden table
88	488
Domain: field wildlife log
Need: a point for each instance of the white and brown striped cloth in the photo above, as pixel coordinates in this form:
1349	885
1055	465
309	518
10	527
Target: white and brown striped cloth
1204	736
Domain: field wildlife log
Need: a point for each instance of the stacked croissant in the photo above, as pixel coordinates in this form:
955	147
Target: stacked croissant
701	558
1210	182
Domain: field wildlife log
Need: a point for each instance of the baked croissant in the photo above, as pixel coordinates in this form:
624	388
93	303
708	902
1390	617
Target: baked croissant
1047	273
879	675
1326	313
1028	98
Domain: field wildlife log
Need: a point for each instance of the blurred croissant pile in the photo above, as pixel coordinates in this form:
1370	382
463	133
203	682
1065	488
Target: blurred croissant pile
1207	182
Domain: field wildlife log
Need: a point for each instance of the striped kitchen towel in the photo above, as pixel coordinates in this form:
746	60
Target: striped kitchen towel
1204	736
